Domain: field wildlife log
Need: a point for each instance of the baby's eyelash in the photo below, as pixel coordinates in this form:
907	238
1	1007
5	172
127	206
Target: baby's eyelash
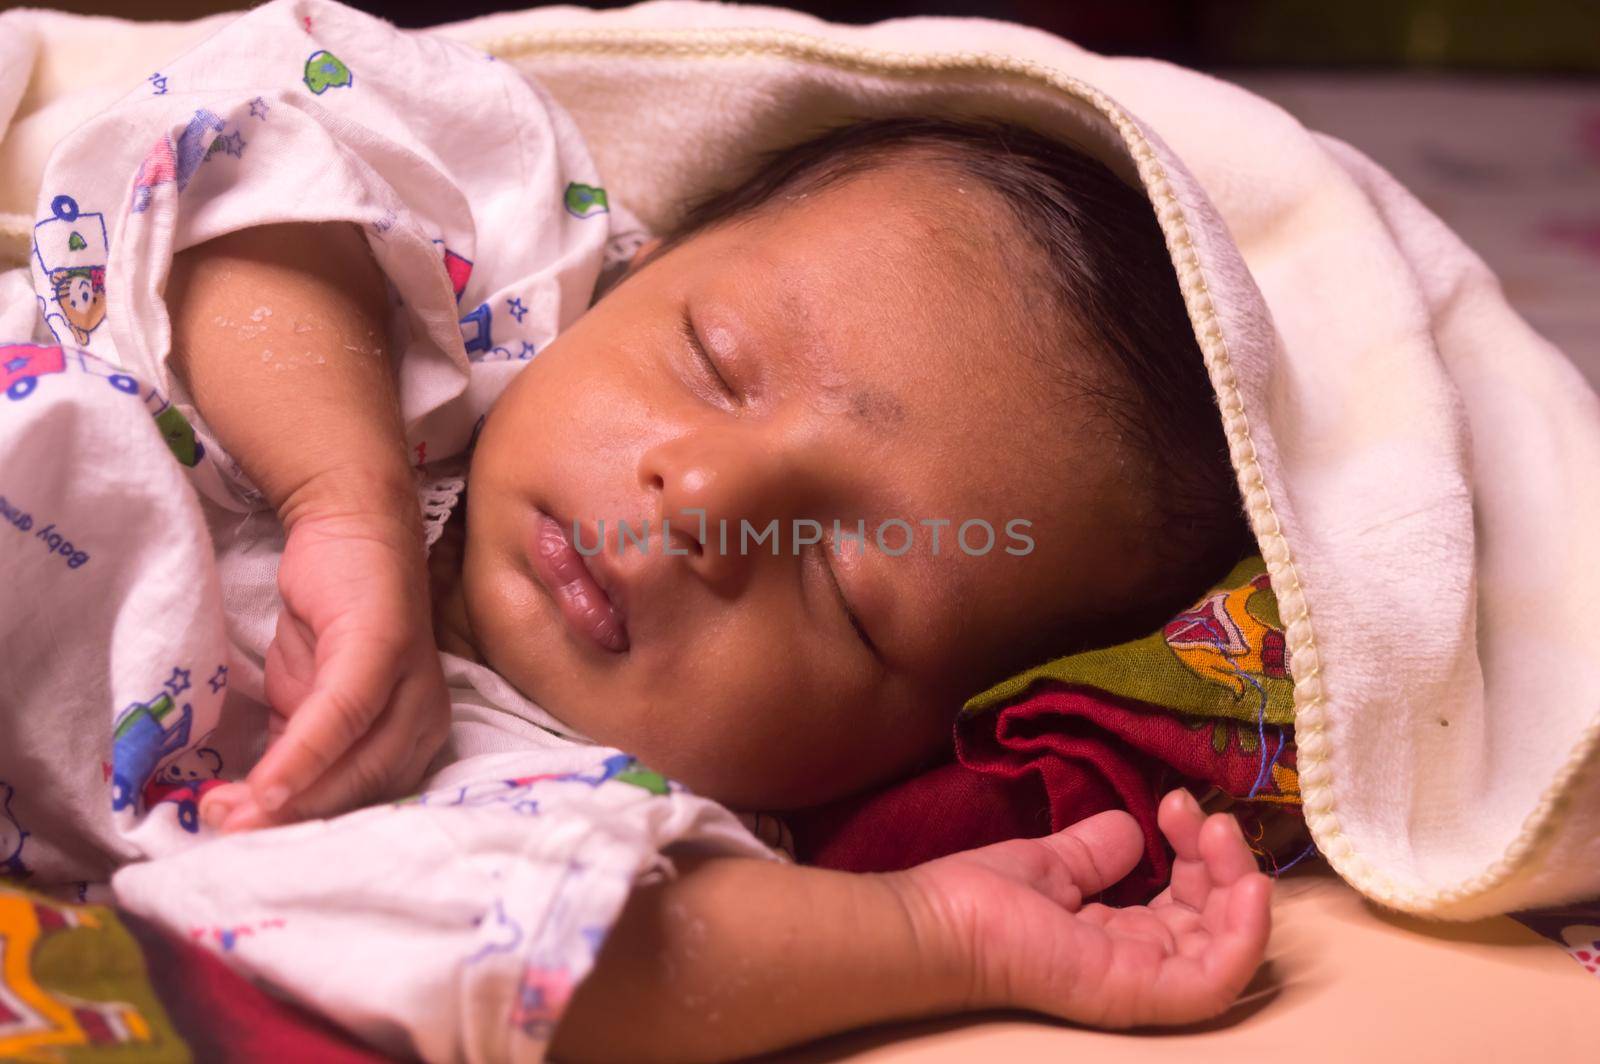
686	326
849	611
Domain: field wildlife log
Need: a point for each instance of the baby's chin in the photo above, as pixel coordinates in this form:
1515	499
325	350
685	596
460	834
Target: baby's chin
714	765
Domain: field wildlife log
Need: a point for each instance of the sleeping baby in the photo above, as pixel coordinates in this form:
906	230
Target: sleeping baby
909	406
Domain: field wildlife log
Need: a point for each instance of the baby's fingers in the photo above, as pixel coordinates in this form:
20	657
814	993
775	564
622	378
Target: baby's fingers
1227	856
1181	821
391	758
219	803
1214	965
351	689
1237	950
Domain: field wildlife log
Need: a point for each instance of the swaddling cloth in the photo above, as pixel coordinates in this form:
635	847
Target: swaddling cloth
140	573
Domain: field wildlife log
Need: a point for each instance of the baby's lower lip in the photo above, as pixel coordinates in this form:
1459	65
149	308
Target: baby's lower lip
561	569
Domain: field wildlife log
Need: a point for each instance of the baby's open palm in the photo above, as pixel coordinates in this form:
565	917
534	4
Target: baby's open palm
353	677
1184	957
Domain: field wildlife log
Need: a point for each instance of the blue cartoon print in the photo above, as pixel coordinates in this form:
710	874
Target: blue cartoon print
176	163
145	734
325	71
228	144
477	329
517	794
497	932
584	201
11	837
71	248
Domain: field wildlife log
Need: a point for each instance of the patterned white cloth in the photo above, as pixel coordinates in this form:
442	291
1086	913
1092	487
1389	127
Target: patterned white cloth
454	925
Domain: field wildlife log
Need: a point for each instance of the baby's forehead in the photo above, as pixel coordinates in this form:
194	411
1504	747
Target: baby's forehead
961	221
918	233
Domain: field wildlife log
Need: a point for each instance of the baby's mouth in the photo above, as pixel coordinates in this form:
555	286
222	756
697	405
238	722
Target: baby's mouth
566	574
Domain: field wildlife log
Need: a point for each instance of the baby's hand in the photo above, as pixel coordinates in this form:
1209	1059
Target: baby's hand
352	675
1019	907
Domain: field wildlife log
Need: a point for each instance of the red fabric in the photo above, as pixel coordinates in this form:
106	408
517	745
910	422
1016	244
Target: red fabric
1031	768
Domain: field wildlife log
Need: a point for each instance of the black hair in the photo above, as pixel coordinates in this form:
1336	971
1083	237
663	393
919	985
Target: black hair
1115	294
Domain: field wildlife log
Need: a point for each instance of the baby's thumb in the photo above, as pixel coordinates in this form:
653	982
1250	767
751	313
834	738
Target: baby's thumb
1099	851
353	685
291	665
219	803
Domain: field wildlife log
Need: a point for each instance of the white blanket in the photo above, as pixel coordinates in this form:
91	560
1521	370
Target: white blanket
1421	469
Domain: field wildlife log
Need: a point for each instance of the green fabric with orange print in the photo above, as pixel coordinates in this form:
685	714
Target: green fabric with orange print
1222	659
74	989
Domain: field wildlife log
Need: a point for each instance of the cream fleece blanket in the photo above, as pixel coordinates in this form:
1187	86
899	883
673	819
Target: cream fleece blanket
1421	469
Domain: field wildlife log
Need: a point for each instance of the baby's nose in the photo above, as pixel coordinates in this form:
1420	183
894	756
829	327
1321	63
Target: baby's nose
716	479
709	491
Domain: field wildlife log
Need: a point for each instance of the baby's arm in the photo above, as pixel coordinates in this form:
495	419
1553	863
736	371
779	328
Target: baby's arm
739	956
278	332
279	335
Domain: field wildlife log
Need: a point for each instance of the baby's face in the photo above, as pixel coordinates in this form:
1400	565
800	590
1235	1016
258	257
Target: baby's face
875	347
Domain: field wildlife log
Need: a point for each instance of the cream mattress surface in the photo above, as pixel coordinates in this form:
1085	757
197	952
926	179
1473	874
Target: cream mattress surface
1345	983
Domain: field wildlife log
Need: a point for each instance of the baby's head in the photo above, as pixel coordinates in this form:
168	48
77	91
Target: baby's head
898	323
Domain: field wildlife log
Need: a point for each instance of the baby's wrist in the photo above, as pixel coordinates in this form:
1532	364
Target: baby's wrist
945	951
376	494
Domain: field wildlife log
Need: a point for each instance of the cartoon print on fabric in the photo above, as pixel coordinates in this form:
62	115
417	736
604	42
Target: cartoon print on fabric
325	71
175	429
227	144
500	932
11	837
481	324
159	165
184	781
41	1020
145	734
458	268
1575	928
176	163
226	938
584	201
72	250
542	997
1583	942
516	793
547	981
21	366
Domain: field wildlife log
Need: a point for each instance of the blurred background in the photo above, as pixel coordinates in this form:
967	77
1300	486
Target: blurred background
1488	110
1544	36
